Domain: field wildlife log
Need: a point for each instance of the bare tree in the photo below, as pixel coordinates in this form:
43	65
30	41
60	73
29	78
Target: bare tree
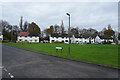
62	27
21	23
25	27
74	31
56	28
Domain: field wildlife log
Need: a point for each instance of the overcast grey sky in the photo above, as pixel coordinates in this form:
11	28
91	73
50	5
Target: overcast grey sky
95	15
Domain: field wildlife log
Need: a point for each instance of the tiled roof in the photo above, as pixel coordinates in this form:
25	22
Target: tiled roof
23	34
78	36
33	34
105	37
59	35
81	36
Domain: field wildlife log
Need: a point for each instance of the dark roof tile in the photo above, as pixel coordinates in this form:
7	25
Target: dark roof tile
23	34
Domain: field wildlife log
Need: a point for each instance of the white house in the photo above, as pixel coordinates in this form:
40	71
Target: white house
26	37
118	41
80	40
1	37
106	38
57	38
98	40
77	39
73	39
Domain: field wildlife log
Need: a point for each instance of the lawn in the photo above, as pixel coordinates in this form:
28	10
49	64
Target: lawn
96	53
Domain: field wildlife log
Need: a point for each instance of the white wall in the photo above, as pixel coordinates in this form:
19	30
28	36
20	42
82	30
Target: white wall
93	40
1	37
118	41
98	40
80	40
106	40
83	40
110	40
60	39
29	39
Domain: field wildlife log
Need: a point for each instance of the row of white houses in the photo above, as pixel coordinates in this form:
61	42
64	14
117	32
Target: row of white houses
33	38
78	40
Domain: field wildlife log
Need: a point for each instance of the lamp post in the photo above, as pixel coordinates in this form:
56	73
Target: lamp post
69	33
11	34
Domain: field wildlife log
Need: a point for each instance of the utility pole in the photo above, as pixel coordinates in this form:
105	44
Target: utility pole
11	33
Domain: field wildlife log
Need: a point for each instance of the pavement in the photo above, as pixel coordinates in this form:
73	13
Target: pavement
19	63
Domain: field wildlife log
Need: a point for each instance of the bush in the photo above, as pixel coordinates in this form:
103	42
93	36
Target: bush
109	42
105	42
22	42
5	41
58	42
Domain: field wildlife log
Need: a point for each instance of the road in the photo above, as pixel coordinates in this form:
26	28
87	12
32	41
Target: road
19	63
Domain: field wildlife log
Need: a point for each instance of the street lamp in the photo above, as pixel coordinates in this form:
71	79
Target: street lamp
11	33
69	32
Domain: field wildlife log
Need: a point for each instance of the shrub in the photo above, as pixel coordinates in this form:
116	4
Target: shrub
105	42
58	42
22	41
5	41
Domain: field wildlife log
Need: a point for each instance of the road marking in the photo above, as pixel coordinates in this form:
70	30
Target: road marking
11	76
5	69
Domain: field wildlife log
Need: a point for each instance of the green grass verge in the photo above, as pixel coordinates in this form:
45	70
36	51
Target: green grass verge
96	53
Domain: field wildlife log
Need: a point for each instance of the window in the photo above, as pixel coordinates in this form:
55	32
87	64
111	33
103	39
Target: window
25	36
52	40
66	40
20	36
62	41
20	39
25	40
77	42
35	40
